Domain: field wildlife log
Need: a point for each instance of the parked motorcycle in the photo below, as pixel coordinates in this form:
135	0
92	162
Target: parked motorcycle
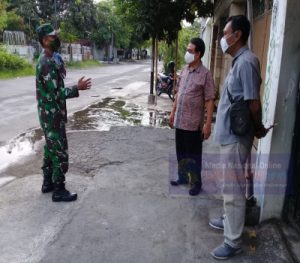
165	83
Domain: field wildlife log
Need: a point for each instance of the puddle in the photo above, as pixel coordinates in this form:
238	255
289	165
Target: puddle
112	112
19	147
99	116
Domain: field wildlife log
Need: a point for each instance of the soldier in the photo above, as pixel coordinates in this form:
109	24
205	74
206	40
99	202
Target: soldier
51	97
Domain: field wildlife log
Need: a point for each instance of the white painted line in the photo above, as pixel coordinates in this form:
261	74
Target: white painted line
135	85
115	80
146	70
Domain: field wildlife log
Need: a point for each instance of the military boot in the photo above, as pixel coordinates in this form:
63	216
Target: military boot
61	194
47	186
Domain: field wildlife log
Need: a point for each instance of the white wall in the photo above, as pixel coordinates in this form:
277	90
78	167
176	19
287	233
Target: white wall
282	80
26	52
207	35
99	54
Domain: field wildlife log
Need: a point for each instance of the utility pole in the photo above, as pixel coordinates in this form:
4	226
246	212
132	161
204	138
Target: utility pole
152	65
156	62
151	96
176	64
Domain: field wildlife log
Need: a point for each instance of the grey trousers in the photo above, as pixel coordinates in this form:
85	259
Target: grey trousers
233	159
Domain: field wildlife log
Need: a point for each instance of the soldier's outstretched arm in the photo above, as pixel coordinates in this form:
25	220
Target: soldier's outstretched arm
83	84
71	92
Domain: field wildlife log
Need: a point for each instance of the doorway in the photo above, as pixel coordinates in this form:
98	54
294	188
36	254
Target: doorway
291	211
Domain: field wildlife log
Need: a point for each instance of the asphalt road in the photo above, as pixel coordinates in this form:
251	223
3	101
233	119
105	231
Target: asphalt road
17	97
126	211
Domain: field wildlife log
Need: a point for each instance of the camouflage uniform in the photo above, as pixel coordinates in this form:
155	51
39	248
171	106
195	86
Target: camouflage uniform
51	97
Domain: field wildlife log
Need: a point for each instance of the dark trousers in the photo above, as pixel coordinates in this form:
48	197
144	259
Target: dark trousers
189	155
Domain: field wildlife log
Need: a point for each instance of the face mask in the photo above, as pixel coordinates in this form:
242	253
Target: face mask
189	57
55	45
224	44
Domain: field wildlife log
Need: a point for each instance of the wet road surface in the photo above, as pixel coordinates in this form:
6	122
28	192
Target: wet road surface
18	104
100	116
118	98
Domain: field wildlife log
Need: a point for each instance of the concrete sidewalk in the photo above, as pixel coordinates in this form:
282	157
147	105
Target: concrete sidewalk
126	211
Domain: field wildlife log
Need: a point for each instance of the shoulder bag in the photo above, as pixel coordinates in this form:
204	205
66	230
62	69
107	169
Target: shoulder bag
240	116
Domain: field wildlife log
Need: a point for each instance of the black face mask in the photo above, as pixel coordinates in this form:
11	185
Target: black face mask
55	44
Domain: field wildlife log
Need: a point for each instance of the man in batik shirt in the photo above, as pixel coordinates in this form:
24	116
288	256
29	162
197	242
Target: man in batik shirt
51	97
196	92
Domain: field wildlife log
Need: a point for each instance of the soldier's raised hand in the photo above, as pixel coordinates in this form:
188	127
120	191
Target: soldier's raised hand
84	84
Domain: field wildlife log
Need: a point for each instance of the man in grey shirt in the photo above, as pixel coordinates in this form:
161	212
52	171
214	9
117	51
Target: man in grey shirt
243	82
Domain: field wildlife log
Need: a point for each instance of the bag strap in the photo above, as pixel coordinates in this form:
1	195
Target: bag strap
229	95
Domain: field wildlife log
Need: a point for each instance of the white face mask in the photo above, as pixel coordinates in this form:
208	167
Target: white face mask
224	44
189	57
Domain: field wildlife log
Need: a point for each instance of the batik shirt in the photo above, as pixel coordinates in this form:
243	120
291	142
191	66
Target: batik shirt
194	88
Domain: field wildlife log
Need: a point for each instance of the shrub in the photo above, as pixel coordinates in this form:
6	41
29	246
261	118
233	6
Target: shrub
11	62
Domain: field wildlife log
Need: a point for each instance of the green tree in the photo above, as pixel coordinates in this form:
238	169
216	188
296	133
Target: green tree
9	20
50	10
102	33
169	50
3	15
134	38
14	22
80	18
30	12
161	19
67	32
45	10
75	17
110	27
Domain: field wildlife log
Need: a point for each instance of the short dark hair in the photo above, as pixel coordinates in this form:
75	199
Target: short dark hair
240	22
199	45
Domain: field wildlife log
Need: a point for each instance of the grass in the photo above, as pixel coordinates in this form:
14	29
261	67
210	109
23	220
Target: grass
83	64
30	71
9	74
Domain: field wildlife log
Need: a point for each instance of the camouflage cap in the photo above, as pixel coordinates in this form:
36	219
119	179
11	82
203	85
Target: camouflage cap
46	30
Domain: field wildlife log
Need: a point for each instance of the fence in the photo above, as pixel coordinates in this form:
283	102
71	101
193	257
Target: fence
76	52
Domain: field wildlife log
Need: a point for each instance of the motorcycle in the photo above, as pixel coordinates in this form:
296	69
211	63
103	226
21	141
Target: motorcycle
165	84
